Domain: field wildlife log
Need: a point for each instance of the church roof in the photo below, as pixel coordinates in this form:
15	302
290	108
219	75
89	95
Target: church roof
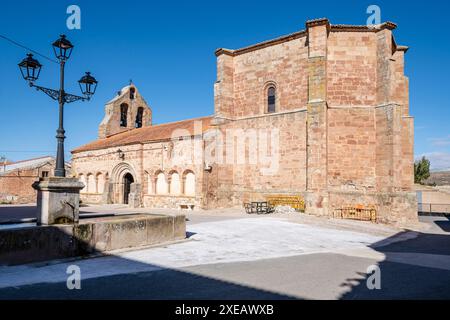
25	164
322	21
148	134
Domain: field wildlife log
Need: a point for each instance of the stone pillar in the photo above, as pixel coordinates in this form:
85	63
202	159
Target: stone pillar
58	200
223	88
108	194
316	183
400	95
134	198
394	149
397	203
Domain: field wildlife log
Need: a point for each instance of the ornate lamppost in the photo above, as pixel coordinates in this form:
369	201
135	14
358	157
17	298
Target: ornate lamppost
31	68
58	197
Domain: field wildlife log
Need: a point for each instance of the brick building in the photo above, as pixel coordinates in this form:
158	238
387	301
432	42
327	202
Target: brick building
16	179
322	112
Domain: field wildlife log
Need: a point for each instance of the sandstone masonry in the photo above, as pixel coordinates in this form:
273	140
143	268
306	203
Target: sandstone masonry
338	99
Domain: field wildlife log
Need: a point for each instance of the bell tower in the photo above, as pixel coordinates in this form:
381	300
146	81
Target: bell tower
127	111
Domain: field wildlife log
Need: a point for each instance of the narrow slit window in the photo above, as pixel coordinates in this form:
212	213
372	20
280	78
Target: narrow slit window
271	99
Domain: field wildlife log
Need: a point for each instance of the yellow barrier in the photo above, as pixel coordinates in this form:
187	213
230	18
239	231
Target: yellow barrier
358	212
296	202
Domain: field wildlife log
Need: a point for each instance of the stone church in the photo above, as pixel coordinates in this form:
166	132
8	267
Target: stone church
322	113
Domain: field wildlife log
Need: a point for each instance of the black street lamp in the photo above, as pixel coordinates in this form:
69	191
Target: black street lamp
62	48
30	69
88	84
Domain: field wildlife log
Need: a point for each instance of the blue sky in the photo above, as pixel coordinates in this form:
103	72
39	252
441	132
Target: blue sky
167	48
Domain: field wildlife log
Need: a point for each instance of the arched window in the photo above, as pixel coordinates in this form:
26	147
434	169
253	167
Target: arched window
189	184
161	184
139	115
271	99
132	92
175	185
123	114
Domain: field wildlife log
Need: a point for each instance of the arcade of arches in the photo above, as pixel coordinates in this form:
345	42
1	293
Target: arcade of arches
157	184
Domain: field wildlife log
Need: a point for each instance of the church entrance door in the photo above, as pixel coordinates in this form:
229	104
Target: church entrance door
127	181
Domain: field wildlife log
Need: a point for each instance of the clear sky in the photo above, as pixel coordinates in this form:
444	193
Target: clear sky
167	49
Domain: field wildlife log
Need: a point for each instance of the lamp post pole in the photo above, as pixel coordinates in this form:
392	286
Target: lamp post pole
60	170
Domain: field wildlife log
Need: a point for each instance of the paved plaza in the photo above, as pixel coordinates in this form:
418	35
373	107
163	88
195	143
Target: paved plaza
232	255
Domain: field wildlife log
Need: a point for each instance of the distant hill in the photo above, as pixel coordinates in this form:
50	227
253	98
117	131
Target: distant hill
440	178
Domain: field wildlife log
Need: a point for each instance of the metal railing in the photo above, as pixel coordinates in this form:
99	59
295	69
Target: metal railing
434	208
296	202
356	213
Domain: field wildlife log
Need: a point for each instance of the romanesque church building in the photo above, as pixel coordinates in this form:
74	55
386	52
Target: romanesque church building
322	113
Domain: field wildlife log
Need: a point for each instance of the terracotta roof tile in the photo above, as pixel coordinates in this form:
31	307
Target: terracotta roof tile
146	134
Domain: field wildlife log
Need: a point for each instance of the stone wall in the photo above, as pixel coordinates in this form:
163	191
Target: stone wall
351	149
341	114
111	125
353	136
398	208
283	170
145	162
91	198
15	186
90	236
170	201
351	69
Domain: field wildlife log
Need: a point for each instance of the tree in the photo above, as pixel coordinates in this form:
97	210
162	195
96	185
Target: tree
421	170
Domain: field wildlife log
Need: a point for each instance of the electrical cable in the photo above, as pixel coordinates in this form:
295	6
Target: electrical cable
27	48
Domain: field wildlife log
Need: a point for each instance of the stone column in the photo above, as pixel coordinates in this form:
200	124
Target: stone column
58	200
134	198
223	88
396	201
316	182
108	194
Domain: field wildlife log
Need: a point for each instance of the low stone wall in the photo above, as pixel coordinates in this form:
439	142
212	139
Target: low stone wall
7	198
42	243
169	201
92	198
397	208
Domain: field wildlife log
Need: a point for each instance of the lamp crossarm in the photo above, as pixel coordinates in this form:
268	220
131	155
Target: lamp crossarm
54	94
68	98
